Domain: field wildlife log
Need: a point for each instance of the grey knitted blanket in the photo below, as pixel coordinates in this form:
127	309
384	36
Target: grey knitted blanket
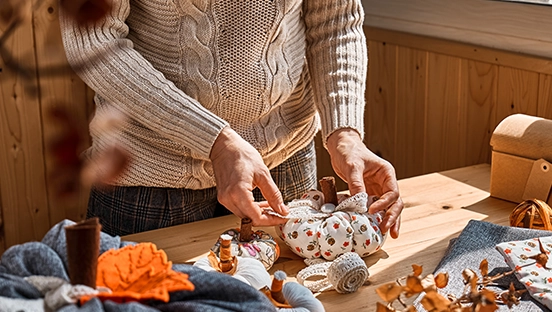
213	291
477	242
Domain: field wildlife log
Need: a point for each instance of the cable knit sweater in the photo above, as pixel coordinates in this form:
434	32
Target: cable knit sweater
181	70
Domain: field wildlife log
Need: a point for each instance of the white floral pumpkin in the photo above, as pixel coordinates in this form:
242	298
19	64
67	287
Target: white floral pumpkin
318	230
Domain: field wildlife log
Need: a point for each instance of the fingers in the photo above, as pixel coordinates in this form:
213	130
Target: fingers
271	193
242	203
395	228
355	182
391	221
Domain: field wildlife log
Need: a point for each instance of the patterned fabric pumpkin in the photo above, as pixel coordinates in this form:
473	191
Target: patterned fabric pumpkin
318	230
260	246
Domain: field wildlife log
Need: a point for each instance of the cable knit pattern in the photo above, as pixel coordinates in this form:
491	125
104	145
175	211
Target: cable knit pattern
182	70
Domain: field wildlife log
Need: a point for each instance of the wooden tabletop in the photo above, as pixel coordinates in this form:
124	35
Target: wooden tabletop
437	207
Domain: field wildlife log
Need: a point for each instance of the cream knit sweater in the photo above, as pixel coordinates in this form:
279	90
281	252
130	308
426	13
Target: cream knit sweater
181	70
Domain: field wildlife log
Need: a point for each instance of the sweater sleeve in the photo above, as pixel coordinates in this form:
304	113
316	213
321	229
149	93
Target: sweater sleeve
338	61
106	61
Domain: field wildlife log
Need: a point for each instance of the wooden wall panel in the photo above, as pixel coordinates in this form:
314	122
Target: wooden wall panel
545	96
517	92
24	198
443	144
410	111
61	89
381	111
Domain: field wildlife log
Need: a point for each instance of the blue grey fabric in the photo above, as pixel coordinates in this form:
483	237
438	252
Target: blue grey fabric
214	291
33	258
477	242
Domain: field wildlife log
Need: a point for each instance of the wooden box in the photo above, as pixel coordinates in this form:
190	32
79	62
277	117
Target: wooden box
521	164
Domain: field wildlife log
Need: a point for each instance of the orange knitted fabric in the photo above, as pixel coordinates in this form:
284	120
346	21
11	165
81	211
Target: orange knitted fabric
137	273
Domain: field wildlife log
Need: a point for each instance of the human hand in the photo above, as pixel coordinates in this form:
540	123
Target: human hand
239	168
364	171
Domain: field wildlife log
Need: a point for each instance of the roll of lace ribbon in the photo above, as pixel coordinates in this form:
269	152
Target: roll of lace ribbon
345	274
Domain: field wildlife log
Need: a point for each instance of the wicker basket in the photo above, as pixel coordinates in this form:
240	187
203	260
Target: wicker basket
532	214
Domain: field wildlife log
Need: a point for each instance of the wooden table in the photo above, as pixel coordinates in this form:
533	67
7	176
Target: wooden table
437	207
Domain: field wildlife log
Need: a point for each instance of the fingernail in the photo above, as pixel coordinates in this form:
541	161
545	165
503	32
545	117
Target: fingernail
284	209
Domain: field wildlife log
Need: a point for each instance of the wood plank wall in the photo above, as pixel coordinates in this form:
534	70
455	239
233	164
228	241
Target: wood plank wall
42	82
432	105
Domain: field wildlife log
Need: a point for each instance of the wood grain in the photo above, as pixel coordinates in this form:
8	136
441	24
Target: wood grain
24	198
478	101
60	89
411	108
381	100
545	96
437	207
507	26
443	144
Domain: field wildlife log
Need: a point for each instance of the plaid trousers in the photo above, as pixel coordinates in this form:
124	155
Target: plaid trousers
124	210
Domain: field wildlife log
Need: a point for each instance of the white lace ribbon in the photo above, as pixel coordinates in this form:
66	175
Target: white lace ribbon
309	209
345	274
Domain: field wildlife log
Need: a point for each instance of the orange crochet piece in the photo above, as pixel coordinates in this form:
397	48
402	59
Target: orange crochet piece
137	273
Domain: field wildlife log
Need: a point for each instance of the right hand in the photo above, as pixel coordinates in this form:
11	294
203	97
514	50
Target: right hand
239	168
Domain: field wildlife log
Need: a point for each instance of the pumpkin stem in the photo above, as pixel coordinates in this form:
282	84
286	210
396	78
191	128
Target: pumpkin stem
277	285
327	184
245	230
226	258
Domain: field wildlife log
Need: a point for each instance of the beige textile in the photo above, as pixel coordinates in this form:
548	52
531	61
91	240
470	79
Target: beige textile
276	71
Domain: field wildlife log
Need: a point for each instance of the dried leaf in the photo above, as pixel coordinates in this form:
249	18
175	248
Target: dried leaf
106	167
488	296
441	280
11	11
417	270
484	267
542	257
86	11
64	148
486	307
380	307
413	286
468	274
389	292
433	301
428	283
511	296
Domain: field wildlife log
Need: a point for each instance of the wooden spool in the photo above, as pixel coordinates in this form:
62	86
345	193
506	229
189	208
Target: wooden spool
532	214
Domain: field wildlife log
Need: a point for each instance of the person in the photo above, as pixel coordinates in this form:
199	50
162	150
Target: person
223	100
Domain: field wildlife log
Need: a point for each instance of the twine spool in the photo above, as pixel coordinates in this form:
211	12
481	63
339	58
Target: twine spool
532	214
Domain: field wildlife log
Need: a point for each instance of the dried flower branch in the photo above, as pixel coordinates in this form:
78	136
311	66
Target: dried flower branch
12	16
475	297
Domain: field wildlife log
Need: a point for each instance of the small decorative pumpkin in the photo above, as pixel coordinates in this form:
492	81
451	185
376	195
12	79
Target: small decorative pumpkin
320	229
247	243
246	269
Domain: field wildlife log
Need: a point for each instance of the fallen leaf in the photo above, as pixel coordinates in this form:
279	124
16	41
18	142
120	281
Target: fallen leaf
389	292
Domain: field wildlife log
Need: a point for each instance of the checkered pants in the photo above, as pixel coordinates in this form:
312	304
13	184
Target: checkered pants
128	210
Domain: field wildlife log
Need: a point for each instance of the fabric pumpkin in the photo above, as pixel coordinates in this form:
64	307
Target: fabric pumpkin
318	230
260	246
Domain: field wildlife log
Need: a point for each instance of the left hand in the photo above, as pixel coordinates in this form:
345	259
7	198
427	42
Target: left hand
364	171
